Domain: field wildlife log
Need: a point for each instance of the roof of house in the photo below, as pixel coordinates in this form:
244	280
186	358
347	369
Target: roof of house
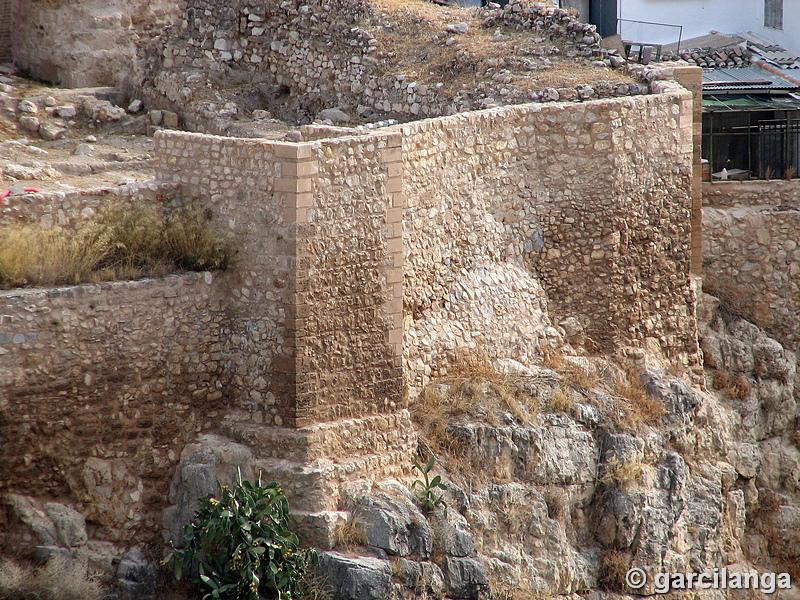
717	50
748	103
746	80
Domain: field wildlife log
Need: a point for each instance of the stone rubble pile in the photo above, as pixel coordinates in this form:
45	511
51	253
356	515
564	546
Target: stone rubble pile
53	117
307	58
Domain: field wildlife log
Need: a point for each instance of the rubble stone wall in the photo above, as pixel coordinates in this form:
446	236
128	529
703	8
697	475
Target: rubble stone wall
751	252
247	189
592	200
102	385
64	209
316	311
350	257
441	234
320	54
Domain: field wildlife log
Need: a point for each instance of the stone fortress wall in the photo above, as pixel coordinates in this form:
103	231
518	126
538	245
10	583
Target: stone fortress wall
580	209
364	262
101	386
751	252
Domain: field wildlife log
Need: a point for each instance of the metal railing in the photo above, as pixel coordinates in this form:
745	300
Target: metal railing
649	33
768	149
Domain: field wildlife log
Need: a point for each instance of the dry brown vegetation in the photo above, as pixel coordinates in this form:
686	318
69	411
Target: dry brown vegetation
473	388
735	386
622	474
351	533
413	42
56	580
638	407
739	388
615	566
120	242
474	391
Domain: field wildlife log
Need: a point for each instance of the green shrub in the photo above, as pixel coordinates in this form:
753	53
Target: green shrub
239	546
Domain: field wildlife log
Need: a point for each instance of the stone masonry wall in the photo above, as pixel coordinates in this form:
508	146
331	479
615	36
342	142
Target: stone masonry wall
238	182
89	42
440	234
318	238
592	200
100	388
63	209
751	254
350	255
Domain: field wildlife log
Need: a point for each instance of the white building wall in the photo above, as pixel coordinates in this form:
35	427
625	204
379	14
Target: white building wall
789	38
697	17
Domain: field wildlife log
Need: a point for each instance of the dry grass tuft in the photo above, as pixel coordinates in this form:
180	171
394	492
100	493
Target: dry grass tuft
720	380
796	438
738	387
615	566
351	533
316	586
639	408
560	401
473	391
580	375
120	242
622	474
56	580
472	363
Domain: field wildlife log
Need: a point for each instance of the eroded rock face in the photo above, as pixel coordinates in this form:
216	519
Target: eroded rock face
203	466
46	529
405	551
756	380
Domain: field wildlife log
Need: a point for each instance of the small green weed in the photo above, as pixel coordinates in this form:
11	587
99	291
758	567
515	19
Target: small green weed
426	494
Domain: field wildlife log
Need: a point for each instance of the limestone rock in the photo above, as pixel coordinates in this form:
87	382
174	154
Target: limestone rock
50	131
29	123
392	520
70	525
459	28
66	112
82	150
104	111
29	512
135	106
465	578
363	578
421	576
170	119
334	115
212	458
136	576
27	107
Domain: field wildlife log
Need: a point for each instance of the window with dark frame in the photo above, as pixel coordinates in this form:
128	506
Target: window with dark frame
773	14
